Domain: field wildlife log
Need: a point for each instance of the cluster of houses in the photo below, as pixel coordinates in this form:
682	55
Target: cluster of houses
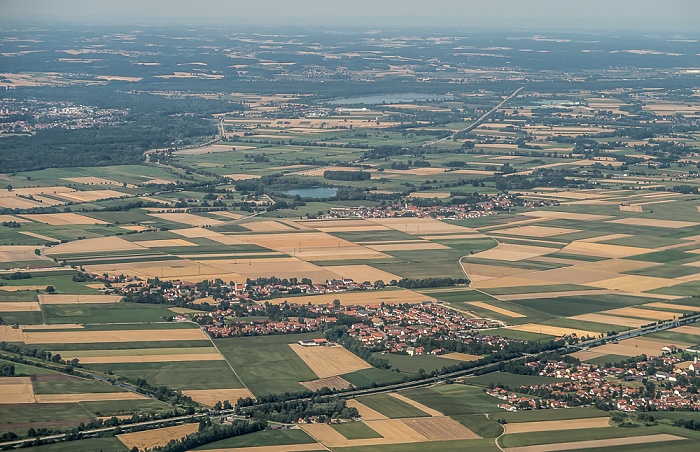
495	203
27	116
624	388
397	328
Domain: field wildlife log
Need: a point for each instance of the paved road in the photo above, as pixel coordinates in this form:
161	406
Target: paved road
478	122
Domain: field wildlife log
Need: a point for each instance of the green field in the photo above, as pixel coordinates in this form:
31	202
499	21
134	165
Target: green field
125	407
455	399
95	444
480	424
391	407
105	313
177	375
412	364
267	364
367	377
355	430
587	434
263	438
46	415
77	386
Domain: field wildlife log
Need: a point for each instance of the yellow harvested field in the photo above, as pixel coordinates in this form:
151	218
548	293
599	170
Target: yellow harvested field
267	226
282	267
393	431
418	226
553	426
192	233
503	311
18	203
91	180
365	298
19	288
171	269
602	249
344	225
635	347
78	299
361	273
229	215
164	243
461	356
150	439
240	176
178	357
336	383
8	218
429	195
87	337
440	429
535	231
512	253
672	224
34	191
553	330
694	330
90	397
9	334
643	313
631	208
62	219
209	397
585	355
19	306
598	443
366	413
415	404
677	307
555	215
329	361
91	195
278	448
610	320
312	246
93	245
538	295
16	390
491	271
633	283
188	218
81	354
412	245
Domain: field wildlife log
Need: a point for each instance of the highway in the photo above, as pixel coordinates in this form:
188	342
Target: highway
478	122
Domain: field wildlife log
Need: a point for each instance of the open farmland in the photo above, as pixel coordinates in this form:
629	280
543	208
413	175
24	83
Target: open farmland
181	208
329	361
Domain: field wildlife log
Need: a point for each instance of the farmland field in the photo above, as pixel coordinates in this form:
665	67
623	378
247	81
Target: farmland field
247	224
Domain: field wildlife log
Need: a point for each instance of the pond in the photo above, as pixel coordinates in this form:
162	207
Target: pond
313	193
377	99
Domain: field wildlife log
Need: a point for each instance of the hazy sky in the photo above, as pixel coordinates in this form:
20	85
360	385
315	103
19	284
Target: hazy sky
651	15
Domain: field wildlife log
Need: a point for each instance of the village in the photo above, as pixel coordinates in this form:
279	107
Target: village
492	206
665	382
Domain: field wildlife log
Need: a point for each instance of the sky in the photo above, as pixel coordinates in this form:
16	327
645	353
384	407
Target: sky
645	15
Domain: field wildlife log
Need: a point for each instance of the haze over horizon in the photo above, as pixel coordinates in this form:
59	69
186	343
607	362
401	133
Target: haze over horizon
642	15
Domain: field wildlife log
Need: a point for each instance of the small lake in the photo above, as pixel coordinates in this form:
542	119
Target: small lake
313	193
377	99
